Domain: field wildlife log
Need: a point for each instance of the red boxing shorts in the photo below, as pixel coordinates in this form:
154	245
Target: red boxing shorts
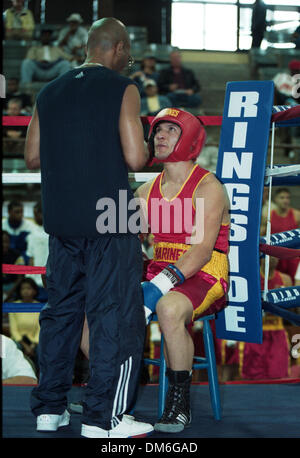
206	289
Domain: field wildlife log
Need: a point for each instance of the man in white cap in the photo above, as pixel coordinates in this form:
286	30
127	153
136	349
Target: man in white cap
73	38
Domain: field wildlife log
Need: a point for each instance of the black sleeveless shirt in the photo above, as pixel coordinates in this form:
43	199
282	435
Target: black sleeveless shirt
81	154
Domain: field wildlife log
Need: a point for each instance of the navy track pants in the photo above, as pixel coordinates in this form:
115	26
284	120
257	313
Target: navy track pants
102	278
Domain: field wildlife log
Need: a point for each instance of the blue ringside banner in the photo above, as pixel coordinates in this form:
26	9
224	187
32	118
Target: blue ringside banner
241	168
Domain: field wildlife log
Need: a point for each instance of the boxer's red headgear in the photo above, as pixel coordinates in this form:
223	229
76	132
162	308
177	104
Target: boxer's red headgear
191	140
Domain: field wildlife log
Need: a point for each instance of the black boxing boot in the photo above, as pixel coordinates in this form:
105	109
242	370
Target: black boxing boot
177	412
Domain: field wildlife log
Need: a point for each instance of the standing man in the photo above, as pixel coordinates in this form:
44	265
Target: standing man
258	23
188	276
84	132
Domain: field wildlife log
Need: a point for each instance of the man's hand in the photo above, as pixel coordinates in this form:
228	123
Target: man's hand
189	91
160	285
173	87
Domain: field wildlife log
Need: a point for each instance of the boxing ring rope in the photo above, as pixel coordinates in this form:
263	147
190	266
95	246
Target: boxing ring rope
268	234
280	245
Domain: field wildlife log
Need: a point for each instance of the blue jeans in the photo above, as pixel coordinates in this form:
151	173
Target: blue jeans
32	70
184	100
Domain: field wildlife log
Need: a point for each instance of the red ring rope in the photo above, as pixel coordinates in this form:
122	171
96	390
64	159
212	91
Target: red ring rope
25	120
19	269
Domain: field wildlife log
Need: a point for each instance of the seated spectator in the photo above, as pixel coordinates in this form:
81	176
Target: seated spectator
152	102
73	38
13	92
24	327
16	369
179	84
284	84
37	250
44	62
14	108
296	37
18	227
18	22
10	256
147	71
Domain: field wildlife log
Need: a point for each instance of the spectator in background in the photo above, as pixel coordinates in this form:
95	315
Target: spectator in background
73	38
284	84
285	218
152	102
16	369
44	62
18	21
10	256
148	245
37	250
179	84
147	71
13	92
258	23
18	227
264	211
24	327
14	108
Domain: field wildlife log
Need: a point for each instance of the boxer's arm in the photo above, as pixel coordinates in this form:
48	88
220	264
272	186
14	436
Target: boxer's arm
131	130
32	143
215	212
297	216
263	225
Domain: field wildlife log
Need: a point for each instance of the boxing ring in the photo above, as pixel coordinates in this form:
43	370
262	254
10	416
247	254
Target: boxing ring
250	409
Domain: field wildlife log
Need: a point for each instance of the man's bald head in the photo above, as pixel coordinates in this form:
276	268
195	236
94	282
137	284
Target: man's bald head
106	33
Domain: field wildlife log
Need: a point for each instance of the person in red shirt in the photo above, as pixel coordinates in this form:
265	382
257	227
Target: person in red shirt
188	275
285	218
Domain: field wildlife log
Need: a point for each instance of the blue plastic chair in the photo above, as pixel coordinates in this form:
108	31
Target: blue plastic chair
208	362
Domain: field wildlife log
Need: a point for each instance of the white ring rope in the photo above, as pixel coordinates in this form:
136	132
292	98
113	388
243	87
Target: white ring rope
268	233
139	177
283	171
21	178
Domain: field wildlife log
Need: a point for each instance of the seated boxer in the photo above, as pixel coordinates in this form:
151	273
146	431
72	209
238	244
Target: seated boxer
188	275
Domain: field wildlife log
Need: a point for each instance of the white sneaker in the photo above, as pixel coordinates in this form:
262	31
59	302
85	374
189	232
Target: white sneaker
128	427
51	422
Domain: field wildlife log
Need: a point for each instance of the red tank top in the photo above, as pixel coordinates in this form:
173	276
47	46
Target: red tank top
171	221
273	283
283	223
